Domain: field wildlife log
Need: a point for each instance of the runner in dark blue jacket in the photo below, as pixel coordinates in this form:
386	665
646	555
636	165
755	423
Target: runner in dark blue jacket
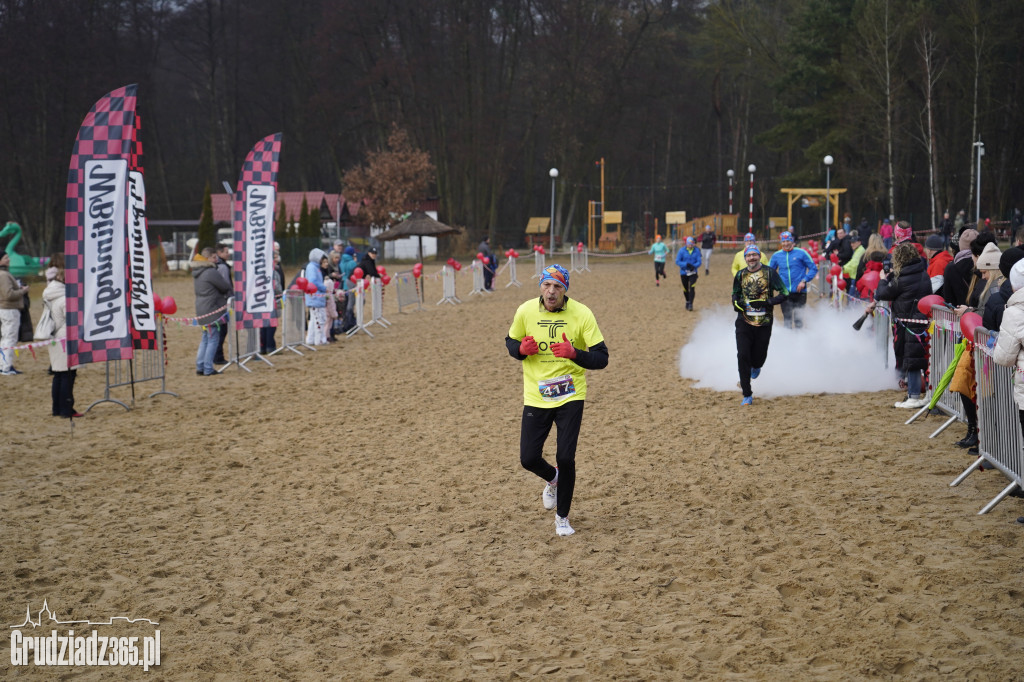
688	260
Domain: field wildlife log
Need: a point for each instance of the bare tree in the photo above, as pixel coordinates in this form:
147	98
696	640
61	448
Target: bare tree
927	49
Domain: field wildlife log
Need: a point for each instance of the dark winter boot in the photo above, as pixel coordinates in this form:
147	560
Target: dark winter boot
971	439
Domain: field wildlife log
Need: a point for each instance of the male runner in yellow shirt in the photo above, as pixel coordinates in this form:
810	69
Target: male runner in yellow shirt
548	335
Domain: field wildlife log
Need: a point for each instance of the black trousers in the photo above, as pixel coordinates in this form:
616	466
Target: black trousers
751	350
689	286
62	392
659	270
536	426
268	344
791	309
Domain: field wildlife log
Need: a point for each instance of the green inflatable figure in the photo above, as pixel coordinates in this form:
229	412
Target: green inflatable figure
21	265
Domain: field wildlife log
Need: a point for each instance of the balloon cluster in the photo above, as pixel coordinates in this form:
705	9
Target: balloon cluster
417	270
454	264
539	249
165	306
512	253
483	259
579	247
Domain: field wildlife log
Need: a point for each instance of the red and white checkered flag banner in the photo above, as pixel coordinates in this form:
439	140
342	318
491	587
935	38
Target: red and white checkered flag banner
253	265
95	232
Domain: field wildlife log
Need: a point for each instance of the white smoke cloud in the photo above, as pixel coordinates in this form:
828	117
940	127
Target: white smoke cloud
826	356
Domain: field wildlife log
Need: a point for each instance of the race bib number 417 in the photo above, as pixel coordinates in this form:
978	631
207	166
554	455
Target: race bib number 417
558	388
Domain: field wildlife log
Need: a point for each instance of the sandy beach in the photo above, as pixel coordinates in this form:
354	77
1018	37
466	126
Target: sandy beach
359	512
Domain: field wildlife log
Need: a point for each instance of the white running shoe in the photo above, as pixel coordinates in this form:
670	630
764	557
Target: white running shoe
562	526
550	495
912	403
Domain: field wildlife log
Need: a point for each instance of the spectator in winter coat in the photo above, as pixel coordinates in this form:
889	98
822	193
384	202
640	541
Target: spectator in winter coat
938	258
905	285
840	245
945	229
886	232
369	263
316	332
852	265
992	318
1009	350
957	274
211	290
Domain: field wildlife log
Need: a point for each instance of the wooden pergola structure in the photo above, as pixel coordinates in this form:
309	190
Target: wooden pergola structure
831	195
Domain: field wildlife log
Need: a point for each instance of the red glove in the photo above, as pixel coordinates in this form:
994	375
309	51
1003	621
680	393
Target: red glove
528	346
564	349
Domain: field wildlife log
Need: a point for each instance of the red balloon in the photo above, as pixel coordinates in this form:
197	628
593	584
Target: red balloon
835	269
579	248
515	254
301	283
450	261
366	284
925	304
311	288
841	283
381	270
169	305
968	323
352	278
540	250
158	303
828	278
486	260
457	265
479	255
357	273
536	247
868	281
835	258
386	280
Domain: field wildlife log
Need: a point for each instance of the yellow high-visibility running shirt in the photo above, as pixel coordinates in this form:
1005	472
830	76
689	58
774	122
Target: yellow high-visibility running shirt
549	381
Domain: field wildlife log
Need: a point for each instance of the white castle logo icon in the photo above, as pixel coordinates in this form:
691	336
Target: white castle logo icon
51	617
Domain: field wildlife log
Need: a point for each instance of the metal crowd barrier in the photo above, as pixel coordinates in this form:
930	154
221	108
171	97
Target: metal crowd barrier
579	259
1000	442
377	303
146	365
538	264
361	323
243	344
292	323
478	278
512	281
407	290
945	336
448	279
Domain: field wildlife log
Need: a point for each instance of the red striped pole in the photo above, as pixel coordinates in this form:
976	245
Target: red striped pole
751	168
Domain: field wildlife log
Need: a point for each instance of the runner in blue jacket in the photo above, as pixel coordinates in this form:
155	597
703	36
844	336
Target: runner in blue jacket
797	269
688	260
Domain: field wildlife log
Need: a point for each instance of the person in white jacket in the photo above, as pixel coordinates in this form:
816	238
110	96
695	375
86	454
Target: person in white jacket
1009	350
62	389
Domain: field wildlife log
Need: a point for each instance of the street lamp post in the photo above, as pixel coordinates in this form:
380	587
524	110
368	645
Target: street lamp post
551	228
750	169
828	188
731	173
977	210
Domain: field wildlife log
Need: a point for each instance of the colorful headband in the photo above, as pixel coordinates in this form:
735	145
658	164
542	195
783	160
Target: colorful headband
751	248
555	273
786	236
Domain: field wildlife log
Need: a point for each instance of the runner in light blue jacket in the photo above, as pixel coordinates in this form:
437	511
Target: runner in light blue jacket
797	269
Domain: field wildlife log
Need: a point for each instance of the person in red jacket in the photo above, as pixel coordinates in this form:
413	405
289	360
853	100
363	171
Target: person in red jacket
938	259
